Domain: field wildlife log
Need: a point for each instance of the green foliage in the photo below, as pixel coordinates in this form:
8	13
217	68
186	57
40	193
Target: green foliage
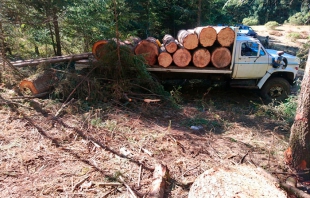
281	111
272	25
250	21
294	36
175	95
299	18
303	53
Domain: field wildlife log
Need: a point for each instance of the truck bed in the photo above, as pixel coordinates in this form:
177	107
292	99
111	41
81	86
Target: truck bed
189	69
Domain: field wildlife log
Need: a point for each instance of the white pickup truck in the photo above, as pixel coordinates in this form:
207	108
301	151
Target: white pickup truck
252	70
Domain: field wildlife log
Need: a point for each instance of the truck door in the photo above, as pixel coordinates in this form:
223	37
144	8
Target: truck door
251	61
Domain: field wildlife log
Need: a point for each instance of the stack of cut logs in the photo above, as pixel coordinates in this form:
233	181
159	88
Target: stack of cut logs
202	46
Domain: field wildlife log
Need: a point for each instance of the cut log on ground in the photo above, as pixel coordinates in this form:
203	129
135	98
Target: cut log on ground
149	48
160	175
221	57
38	83
164	58
234	181
98	50
201	57
206	35
225	36
182	57
188	39
170	43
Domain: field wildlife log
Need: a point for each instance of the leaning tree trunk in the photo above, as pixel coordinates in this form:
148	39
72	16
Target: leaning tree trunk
300	131
57	32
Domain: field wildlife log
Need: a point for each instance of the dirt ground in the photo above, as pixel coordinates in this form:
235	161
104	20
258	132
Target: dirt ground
111	149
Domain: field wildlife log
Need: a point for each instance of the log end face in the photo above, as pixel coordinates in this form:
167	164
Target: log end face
182	57
164	59
190	42
207	36
221	57
226	37
201	58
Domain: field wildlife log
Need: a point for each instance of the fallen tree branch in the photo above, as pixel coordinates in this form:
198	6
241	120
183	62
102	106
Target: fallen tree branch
288	188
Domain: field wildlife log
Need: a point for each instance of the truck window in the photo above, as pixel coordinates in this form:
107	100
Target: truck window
251	49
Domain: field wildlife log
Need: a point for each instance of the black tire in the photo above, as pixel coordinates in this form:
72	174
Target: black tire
275	89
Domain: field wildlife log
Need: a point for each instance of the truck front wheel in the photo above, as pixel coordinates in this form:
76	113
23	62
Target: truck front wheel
276	89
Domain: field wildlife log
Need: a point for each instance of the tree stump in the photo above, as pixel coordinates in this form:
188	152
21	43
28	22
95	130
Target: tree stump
182	57
235	181
221	57
188	39
206	35
225	36
149	48
38	83
170	44
164	58
201	57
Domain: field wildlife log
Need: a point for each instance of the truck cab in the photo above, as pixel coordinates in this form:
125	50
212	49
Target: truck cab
253	66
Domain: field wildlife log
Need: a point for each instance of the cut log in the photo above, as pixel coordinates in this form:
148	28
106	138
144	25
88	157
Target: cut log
149	48
188	39
182	57
225	36
38	83
221	57
160	175
170	43
98	50
201	57
206	35
164	58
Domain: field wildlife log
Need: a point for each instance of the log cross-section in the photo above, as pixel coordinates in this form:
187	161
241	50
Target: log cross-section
188	39
149	48
201	57
164	58
170	43
221	57
225	36
182	57
206	35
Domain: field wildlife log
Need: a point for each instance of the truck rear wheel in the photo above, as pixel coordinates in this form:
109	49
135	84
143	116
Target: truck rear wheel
276	89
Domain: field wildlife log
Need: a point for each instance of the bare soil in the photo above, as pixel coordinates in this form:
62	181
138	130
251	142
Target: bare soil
108	149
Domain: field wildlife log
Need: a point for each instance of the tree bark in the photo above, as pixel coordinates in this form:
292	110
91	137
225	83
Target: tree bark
225	36
300	130
201	57
3	47
149	48
182	57
221	57
188	39
206	35
171	45
164	58
57	32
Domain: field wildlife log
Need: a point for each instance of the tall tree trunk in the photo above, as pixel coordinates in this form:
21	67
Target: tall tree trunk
199	13
300	131
57	32
52	37
3	46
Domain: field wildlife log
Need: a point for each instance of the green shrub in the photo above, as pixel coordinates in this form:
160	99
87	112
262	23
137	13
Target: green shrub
250	21
272	25
294	36
299	18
